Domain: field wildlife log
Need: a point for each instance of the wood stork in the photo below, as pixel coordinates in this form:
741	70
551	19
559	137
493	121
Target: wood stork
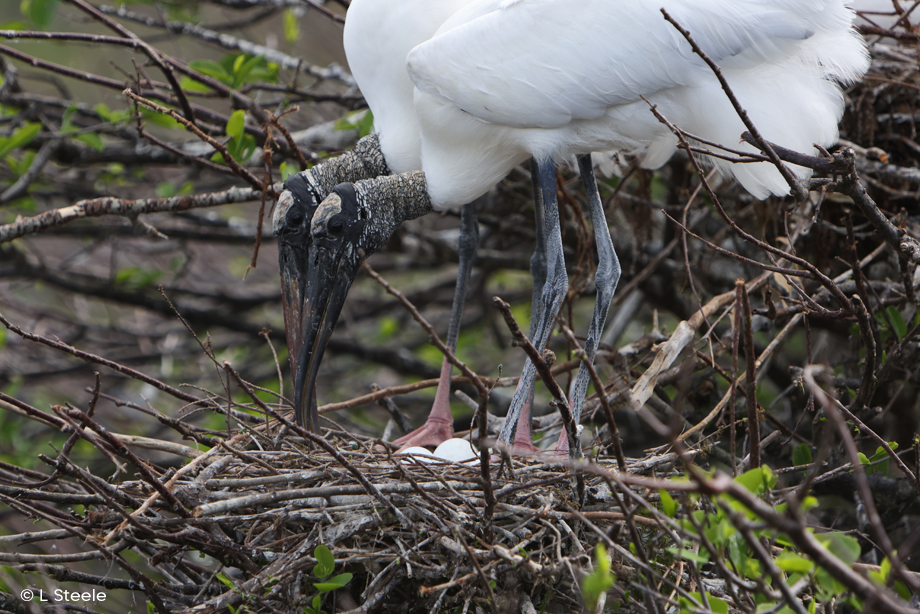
501	81
377	60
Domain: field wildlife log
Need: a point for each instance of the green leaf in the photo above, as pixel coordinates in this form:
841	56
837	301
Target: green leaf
236	123
809	503
325	562
195	87
897	322
41	12
700	558
758	480
844	547
342	579
212	69
160	119
716	605
793	563
598	581
287	170
668	504
136	277
21	137
326	587
103	111
801	455
366	125
291	26
242	67
166	189
225	581
92	139
21	165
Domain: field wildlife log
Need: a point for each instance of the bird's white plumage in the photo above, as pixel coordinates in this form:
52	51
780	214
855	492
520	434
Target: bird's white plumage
498	81
378	37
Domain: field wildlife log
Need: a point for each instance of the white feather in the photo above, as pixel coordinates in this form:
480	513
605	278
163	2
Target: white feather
498	81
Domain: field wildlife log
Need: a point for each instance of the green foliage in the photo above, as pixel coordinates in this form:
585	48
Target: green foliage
878	462
160	119
167	189
291	26
668	504
325	565
287	170
880	577
40	12
21	137
136	278
716	605
363	121
891	322
758	481
791	562
226	581
115	117
233	70
598	581
387	326
21	165
241	145
90	138
801	455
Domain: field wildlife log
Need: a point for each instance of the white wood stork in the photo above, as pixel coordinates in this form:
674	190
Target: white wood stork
501	81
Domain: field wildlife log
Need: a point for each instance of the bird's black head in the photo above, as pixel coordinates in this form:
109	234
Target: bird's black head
326	250
291	224
320	258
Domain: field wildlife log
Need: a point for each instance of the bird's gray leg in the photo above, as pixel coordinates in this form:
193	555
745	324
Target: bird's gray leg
523	434
440	424
606	278
548	267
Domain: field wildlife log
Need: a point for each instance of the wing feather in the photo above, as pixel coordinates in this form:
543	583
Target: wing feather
545	63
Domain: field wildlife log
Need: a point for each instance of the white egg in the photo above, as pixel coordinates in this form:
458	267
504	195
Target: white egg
416	455
457	450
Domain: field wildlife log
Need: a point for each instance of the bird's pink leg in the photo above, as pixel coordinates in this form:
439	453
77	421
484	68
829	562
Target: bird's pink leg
523	434
440	424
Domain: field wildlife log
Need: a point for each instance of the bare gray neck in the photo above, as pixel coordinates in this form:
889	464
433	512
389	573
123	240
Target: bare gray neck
365	161
389	201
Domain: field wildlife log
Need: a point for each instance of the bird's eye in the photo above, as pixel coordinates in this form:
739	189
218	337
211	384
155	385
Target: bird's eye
336	227
295	217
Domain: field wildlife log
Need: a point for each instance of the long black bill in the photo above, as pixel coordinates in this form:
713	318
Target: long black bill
319	265
330	274
292	258
291	223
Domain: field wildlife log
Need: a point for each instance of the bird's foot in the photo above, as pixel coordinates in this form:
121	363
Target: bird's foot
433	433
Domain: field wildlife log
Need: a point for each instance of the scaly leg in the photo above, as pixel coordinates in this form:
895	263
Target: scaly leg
550	285
608	274
440	424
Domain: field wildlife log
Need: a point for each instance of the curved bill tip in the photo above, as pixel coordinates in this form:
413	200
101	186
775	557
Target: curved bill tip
310	322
